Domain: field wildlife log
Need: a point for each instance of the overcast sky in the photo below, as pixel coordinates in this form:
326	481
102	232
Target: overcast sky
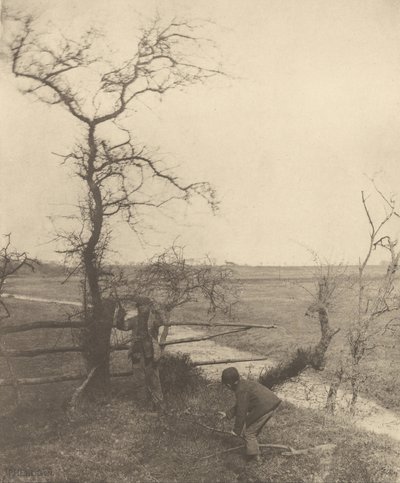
309	111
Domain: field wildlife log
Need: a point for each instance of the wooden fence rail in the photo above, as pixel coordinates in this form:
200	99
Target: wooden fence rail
40	324
30	381
51	324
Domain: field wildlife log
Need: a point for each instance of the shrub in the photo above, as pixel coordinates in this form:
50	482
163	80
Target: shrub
178	373
285	370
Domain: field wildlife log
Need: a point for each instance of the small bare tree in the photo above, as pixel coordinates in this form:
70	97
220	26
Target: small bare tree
373	302
11	261
120	176
374	299
171	282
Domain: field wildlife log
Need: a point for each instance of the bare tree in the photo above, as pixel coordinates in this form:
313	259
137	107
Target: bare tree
372	301
11	261
329	281
119	175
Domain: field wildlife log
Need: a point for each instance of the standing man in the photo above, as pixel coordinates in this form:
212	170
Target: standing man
145	347
255	405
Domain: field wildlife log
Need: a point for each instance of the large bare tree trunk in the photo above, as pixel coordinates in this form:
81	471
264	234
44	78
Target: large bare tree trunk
97	333
355	387
96	352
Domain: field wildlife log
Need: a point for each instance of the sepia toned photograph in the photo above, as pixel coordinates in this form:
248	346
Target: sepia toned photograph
199	245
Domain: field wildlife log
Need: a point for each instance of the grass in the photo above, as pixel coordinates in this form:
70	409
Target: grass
284	303
120	441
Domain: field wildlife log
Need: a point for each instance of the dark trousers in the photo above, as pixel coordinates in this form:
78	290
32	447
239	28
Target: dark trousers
250	433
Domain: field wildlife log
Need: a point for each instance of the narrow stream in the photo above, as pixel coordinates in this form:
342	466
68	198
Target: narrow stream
307	391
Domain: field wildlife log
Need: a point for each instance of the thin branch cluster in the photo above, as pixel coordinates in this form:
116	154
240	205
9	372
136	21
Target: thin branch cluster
11	261
375	299
172	282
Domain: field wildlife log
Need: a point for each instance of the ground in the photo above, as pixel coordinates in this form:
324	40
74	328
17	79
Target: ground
122	442
119	440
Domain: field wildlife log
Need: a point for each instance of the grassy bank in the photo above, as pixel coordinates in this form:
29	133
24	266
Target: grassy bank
122	442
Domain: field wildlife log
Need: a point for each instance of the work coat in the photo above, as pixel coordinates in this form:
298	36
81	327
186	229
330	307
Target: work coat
253	400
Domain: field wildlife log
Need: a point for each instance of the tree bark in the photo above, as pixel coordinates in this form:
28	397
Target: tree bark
355	389
95	342
96	335
332	393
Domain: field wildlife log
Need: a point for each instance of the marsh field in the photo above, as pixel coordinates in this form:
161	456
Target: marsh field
120	440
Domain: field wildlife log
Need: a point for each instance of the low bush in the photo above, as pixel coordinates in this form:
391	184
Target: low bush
285	370
178	373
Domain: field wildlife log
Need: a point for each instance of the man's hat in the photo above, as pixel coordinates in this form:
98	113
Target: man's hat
230	376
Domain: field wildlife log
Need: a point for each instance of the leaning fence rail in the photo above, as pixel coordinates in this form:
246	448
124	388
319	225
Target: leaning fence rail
52	324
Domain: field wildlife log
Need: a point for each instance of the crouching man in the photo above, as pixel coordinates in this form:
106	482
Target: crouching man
255	405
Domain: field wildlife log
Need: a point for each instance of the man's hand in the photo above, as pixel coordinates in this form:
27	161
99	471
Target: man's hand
221	415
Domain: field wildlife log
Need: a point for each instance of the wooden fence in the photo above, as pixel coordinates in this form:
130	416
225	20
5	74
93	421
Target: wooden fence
51	324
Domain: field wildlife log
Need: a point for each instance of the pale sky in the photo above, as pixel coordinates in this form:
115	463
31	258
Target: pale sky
311	109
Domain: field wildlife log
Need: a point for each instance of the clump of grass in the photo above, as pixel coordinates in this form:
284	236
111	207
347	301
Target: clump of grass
285	370
178	374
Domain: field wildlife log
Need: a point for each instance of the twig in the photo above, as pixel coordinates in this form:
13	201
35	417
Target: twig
290	452
264	445
214	430
221	452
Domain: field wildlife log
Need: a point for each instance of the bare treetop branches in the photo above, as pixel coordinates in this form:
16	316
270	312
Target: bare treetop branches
170	281
167	56
10	262
126	175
